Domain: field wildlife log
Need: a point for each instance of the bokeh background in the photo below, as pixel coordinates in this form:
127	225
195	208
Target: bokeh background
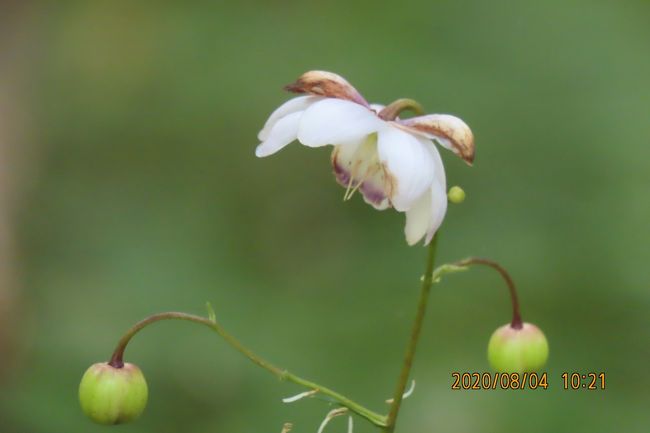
128	186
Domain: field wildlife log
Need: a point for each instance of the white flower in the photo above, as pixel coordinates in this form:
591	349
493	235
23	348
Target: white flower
392	162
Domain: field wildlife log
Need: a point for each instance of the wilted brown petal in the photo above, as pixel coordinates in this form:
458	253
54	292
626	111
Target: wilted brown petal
451	131
326	84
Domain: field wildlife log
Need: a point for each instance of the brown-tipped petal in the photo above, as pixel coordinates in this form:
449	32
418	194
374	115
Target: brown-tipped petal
450	131
326	84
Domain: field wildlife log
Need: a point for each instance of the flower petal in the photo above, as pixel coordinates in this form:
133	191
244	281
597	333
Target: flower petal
291	106
428	212
283	132
418	219
334	121
450	131
438	210
327	84
410	164
438	196
373	192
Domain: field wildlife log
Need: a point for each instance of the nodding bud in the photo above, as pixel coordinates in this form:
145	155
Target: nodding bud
328	84
110	395
512	350
456	194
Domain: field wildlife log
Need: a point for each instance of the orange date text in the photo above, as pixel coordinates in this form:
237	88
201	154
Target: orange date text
486	381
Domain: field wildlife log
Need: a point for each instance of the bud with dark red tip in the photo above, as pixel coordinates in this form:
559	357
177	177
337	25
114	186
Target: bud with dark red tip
110	395
517	349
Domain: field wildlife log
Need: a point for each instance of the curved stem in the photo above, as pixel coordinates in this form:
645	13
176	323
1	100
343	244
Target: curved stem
516	322
392	110
117	360
425	289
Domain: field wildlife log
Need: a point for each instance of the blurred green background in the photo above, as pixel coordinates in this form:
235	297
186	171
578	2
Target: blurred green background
131	187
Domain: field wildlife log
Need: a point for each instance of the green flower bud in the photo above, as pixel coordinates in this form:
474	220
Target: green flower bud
110	395
521	350
456	195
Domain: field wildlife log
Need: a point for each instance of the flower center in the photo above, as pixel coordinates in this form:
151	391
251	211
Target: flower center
365	165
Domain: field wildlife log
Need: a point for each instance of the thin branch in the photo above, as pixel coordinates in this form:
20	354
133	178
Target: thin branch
517	322
117	360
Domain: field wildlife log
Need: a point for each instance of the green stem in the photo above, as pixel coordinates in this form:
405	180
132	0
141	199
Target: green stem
517	322
392	110
425	289
117	361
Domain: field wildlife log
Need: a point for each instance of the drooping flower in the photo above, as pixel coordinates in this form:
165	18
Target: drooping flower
393	162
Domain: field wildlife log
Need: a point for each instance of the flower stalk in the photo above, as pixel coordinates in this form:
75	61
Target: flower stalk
392	110
284	375
517	322
425	289
430	276
386	422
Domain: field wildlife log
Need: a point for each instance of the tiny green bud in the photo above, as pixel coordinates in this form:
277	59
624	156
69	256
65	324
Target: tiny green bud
456	194
110	395
512	350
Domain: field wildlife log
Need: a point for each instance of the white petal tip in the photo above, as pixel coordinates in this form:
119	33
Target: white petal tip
412	241
260	152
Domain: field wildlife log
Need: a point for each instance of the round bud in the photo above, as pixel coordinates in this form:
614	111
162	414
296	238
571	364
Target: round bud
456	195
513	350
110	395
